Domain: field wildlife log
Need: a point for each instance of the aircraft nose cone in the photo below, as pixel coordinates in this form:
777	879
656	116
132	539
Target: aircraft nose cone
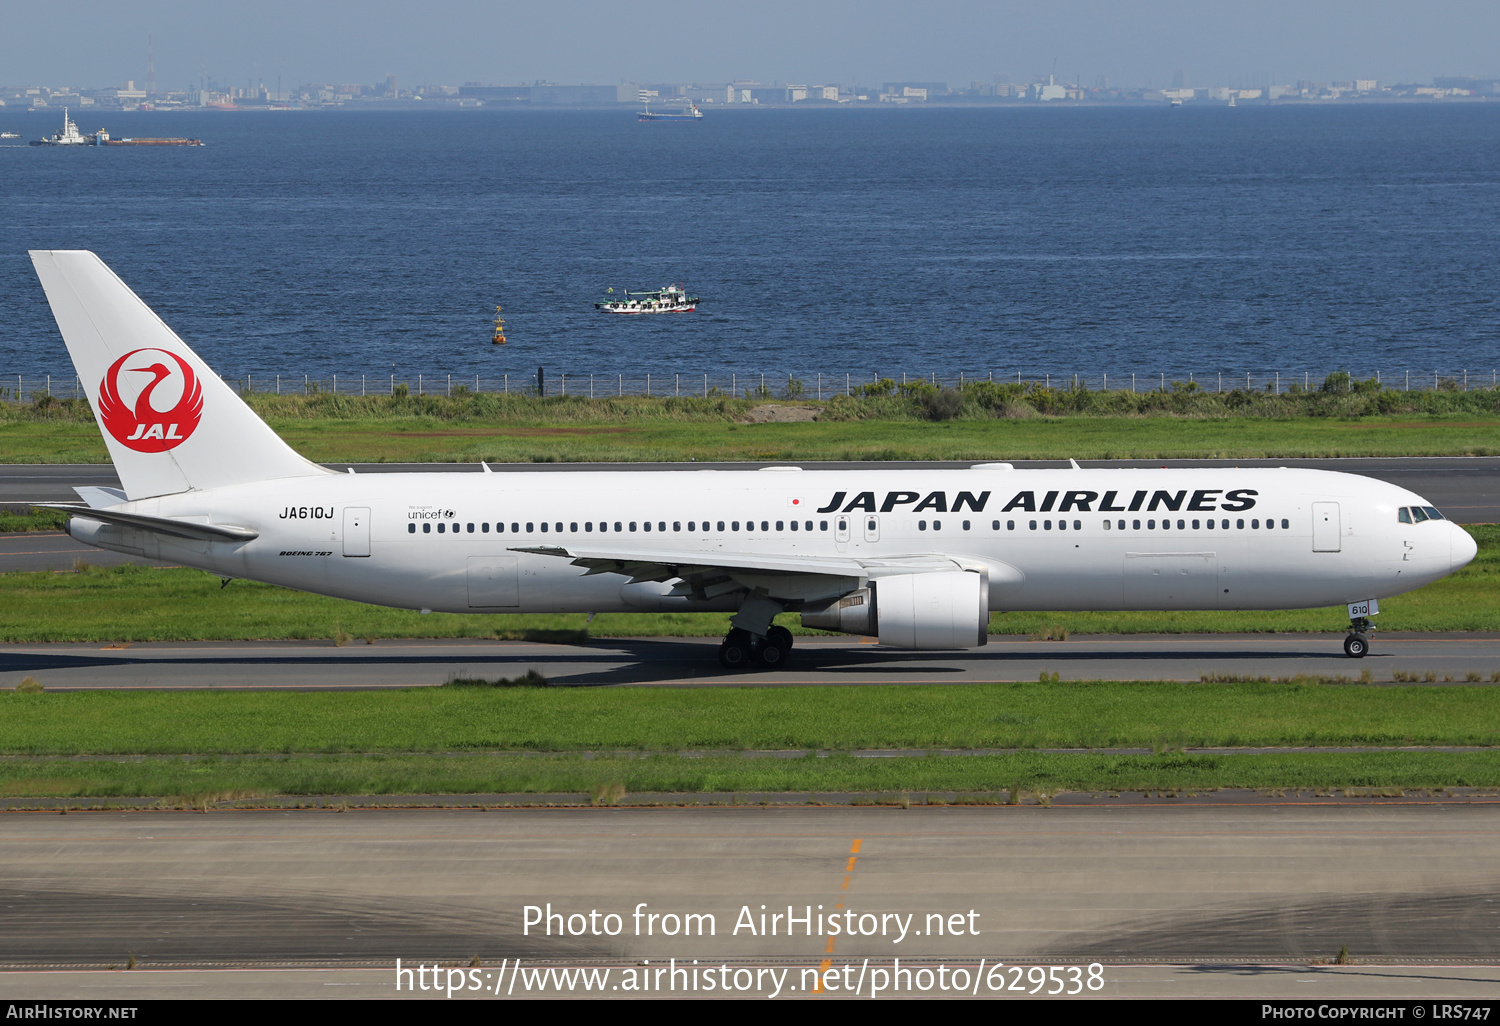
1463	548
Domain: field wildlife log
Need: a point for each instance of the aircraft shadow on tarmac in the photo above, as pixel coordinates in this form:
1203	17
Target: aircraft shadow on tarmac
641	661
1388	926
48	927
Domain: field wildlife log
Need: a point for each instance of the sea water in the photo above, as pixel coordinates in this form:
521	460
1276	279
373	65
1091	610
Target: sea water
990	241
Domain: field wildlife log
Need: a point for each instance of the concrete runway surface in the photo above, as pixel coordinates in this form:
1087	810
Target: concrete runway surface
1190	902
692	662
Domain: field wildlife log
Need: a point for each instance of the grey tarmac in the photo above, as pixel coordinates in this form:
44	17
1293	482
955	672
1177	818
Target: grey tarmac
691	662
1193	902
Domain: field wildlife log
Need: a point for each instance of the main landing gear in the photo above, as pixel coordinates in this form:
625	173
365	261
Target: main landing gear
1357	644
742	649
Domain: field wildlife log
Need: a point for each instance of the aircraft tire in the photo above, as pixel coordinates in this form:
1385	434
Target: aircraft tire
780	637
735	651
1356	646
772	655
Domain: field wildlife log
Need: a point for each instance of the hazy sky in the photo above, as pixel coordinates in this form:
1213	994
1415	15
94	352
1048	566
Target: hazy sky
93	44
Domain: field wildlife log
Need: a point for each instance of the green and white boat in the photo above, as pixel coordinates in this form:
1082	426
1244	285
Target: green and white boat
667	299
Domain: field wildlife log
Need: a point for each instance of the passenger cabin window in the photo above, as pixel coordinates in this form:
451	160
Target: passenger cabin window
441	527
484	528
426	528
411	528
1285	525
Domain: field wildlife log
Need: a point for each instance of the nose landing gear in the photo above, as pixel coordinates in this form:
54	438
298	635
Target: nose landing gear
1357	644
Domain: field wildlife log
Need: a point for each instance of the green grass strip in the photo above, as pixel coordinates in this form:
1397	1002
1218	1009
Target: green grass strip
218	779
1032	715
1080	437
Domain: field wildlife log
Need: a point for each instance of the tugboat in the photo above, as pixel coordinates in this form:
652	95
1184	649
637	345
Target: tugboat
69	136
667	299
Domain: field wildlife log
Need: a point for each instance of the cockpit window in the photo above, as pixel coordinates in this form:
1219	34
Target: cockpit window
1432	513
1404	515
1418	514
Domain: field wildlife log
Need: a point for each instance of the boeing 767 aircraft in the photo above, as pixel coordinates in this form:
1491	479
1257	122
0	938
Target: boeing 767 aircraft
915	558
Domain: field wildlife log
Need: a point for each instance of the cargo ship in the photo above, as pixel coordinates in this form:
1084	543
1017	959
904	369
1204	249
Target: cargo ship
688	113
71	136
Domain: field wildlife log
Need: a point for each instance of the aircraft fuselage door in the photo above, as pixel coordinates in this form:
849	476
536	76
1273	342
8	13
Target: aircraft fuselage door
872	527
1325	526
356	530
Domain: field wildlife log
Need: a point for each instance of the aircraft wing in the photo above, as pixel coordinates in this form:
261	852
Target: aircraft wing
657	565
194	529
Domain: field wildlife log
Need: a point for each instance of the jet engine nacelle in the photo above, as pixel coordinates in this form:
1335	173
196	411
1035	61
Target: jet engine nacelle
943	610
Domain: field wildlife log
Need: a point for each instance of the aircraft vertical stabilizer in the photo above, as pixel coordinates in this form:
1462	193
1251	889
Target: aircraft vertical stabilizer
171	424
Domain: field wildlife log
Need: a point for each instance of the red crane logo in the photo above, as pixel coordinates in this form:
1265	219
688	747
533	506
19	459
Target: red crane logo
144	427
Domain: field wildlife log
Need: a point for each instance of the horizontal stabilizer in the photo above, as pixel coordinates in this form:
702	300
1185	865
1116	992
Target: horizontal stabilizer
101	497
161	525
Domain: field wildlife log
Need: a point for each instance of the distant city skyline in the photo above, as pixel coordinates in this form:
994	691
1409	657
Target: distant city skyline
278	43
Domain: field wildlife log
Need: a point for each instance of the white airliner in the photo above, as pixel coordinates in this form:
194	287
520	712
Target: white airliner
915	558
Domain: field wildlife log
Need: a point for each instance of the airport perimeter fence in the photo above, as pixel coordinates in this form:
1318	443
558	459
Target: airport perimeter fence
755	385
